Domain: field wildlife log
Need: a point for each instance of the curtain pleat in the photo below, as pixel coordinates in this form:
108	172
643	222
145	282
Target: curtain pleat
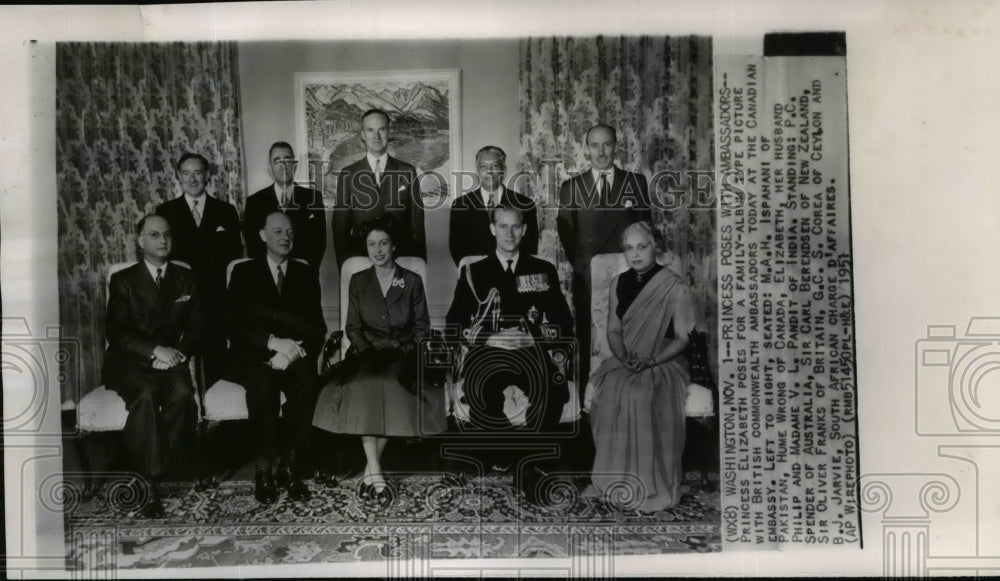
657	92
124	114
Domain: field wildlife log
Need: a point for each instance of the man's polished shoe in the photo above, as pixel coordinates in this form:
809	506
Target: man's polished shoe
264	489
206	483
297	489
326	477
528	484
291	480
153	507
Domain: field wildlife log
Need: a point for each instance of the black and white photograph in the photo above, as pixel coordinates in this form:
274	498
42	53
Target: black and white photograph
352	289
423	363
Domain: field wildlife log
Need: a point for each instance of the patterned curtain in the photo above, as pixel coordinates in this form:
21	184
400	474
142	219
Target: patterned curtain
657	92
125	113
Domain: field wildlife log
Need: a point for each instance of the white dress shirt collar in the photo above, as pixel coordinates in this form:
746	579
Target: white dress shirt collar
610	172
278	192
503	260
274	268
201	203
384	158
152	269
486	195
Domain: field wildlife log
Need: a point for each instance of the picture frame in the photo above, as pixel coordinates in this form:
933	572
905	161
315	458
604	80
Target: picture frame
425	124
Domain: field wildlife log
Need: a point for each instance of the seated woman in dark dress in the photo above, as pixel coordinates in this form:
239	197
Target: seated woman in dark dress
375	394
637	415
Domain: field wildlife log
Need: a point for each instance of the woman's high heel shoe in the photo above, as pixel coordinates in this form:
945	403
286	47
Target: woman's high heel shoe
381	494
365	491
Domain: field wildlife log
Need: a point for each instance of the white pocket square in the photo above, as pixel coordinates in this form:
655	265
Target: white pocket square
220	229
183	299
311	216
401	188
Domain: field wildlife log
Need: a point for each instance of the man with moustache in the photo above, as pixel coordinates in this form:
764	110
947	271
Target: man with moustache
375	185
276	331
595	207
303	205
206	235
509	308
154	324
469	226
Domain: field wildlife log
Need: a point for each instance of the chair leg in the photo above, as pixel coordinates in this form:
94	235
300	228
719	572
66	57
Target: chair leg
89	488
204	451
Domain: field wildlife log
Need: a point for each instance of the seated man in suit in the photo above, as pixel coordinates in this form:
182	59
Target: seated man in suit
509	309
375	185
468	232
153	325
207	236
276	331
303	205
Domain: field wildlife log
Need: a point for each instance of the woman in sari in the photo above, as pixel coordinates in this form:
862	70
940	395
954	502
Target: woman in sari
375	392
637	415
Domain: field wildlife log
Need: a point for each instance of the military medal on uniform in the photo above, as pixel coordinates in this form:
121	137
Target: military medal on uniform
532	283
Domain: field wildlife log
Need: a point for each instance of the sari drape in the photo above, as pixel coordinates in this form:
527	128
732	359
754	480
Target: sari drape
638	418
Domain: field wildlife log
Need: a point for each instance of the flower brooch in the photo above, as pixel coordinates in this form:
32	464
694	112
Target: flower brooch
399	282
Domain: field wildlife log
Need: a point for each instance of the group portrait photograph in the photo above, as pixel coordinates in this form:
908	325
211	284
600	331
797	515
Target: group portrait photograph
361	300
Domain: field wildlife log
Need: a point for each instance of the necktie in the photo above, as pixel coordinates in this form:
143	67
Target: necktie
196	213
604	188
378	170
159	277
281	280
510	266
284	199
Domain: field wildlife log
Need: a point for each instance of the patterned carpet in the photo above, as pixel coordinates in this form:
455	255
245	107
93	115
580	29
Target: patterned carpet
428	517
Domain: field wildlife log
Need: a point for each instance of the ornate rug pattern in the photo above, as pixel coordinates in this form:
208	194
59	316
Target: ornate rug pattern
428	517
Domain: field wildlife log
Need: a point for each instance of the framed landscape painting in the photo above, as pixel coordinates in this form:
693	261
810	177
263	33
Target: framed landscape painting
425	128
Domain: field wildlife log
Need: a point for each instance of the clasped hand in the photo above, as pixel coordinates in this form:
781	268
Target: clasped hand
285	352
635	364
167	357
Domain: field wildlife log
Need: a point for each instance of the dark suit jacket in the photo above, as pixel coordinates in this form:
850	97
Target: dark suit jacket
306	212
397	320
469	231
518	296
140	317
587	226
208	248
359	199
256	311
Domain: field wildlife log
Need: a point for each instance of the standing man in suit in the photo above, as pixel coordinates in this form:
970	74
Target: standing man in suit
207	236
303	205
276	331
153	326
509	308
595	207
469	233
374	185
